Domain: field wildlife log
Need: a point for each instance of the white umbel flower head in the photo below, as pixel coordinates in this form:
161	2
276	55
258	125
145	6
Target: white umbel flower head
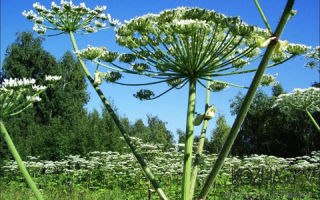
18	94
52	78
33	99
79	17
300	99
269	80
91	53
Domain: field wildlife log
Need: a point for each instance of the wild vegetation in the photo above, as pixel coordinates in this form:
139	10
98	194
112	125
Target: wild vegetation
183	46
111	175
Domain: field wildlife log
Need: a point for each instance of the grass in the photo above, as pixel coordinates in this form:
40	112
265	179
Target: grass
18	190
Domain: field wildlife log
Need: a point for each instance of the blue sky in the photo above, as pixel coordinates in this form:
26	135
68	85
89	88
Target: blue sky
303	28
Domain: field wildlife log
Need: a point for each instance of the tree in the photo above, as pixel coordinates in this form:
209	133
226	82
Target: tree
155	133
266	130
45	130
219	135
159	133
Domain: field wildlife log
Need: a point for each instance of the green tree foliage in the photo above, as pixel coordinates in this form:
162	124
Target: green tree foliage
59	125
155	132
218	135
266	130
43	130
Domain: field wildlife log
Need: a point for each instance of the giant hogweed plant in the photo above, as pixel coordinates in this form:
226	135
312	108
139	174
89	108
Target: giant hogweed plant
17	95
68	18
188	45
179	47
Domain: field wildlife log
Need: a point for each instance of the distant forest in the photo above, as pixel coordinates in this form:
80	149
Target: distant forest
59	125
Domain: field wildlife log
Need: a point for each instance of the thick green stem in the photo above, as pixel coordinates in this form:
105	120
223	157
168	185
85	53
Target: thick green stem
106	103
246	103
194	173
313	120
187	163
18	159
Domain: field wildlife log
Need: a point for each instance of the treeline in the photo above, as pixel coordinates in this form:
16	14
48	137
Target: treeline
59	125
266	130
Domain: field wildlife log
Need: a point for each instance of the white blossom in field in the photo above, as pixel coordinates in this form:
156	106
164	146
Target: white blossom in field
52	78
15	82
68	17
301	99
35	98
38	87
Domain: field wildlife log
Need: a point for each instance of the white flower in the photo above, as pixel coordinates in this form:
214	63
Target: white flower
268	80
29	15
299	99
35	98
38	87
39	29
52	78
38	7
17	82
91	52
99	24
102	16
82	5
100	9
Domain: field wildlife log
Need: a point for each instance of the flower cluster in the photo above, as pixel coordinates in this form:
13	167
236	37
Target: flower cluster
144	94
100	53
15	82
193	44
52	78
168	163
217	86
313	57
300	99
69	17
91	53
18	94
269	80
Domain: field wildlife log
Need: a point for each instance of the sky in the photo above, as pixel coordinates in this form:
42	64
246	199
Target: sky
172	107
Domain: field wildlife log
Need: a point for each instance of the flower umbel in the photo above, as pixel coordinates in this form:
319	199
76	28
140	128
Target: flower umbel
17	95
299	99
69	17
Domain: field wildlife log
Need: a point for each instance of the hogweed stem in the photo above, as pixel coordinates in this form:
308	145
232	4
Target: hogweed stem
187	162
246	103
313	120
194	173
18	159
106	103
